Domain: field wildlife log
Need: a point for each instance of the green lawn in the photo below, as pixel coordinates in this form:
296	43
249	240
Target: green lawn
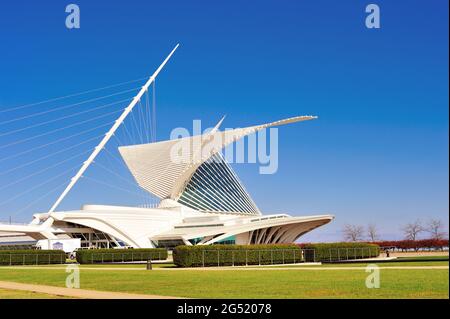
382	264
236	283
418	258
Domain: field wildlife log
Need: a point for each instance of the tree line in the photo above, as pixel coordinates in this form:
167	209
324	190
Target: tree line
434	229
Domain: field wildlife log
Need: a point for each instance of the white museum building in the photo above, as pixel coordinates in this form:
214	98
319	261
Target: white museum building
202	201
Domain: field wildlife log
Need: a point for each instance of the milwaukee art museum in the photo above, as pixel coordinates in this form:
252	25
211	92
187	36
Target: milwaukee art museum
202	200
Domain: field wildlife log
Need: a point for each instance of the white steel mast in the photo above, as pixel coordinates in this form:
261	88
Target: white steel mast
110	133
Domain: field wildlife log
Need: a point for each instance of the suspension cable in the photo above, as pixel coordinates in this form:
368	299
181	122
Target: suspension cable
42	170
70	95
39	185
66	106
53	142
59	129
47	156
109	185
38	199
63	118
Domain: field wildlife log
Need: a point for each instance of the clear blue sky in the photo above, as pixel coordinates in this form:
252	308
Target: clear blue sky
378	153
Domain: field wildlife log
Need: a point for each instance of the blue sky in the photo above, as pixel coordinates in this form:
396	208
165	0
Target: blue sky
378	152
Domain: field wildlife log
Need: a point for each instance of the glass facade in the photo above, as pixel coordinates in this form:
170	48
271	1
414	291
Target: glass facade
227	241
168	243
195	241
215	187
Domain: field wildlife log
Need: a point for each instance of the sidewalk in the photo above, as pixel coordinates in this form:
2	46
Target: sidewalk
77	293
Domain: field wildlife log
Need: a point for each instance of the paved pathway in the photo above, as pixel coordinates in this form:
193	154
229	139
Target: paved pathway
77	293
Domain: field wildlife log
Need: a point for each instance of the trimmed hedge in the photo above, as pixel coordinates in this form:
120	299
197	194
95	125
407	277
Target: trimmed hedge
416	245
235	255
91	256
16	247
328	252
32	257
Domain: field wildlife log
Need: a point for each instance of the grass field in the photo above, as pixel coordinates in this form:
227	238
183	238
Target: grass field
383	264
240	283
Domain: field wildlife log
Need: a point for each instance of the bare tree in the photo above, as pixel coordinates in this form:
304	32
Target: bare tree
412	230
372	232
353	232
436	228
